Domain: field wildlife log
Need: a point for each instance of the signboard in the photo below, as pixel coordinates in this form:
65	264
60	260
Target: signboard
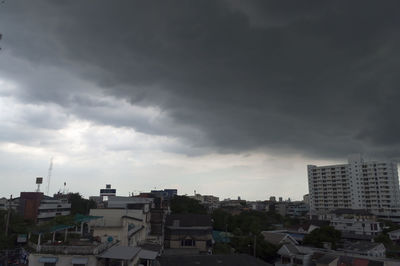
22	238
108	192
39	180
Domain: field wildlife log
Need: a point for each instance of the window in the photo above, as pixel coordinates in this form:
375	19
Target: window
188	243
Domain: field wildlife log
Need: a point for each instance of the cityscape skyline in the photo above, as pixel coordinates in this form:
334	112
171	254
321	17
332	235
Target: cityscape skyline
65	188
224	97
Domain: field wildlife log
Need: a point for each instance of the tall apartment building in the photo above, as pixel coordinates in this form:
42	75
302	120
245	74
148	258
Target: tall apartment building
359	184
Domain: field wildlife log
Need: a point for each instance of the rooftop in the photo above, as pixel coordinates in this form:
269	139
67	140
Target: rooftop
327	258
188	220
120	253
361	246
212	260
76	246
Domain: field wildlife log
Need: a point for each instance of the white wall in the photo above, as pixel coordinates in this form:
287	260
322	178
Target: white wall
63	260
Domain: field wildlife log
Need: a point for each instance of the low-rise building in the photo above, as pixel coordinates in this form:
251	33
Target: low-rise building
209	201
258	205
229	203
40	208
281	208
291	255
90	253
278	238
129	226
212	260
365	248
188	231
354	222
296	208
124	202
5	204
166	194
394	235
327	260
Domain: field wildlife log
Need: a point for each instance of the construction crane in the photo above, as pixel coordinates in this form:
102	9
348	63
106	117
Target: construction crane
49	176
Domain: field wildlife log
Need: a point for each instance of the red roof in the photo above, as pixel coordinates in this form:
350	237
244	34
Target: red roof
360	262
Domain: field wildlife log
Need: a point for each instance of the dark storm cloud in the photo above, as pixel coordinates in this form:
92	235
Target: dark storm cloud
319	78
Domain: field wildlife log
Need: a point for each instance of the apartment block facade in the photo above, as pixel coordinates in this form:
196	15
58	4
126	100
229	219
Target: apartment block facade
359	184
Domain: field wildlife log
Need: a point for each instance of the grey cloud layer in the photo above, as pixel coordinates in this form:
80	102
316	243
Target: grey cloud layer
319	79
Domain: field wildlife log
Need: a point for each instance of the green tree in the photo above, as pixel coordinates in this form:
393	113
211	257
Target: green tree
183	204
245	244
324	234
384	239
17	225
79	204
221	219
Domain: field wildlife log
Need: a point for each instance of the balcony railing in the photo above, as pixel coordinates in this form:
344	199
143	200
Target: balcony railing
79	249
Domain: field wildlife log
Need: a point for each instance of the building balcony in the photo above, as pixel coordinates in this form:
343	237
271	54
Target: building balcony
45	215
76	247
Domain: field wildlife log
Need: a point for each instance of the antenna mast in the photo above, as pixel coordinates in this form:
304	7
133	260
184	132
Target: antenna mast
49	176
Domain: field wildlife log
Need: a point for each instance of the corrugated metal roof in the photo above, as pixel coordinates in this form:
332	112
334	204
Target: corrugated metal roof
148	254
120	252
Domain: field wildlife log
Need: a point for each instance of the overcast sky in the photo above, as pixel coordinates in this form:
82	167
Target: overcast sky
231	98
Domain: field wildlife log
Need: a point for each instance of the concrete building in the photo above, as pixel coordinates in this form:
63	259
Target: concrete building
258	205
394	235
306	199
125	202
129	226
5	204
278	238
165	194
291	255
359	184
212	260
209	201
281	208
230	203
364	248
353	223
40	208
296	209
79	252
188	231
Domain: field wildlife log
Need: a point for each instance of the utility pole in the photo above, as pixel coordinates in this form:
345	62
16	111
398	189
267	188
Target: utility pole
7	225
255	243
8	215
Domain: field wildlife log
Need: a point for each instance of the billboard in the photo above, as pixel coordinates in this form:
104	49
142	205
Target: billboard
39	180
108	192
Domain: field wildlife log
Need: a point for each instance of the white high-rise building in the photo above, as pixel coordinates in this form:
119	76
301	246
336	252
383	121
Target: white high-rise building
359	184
